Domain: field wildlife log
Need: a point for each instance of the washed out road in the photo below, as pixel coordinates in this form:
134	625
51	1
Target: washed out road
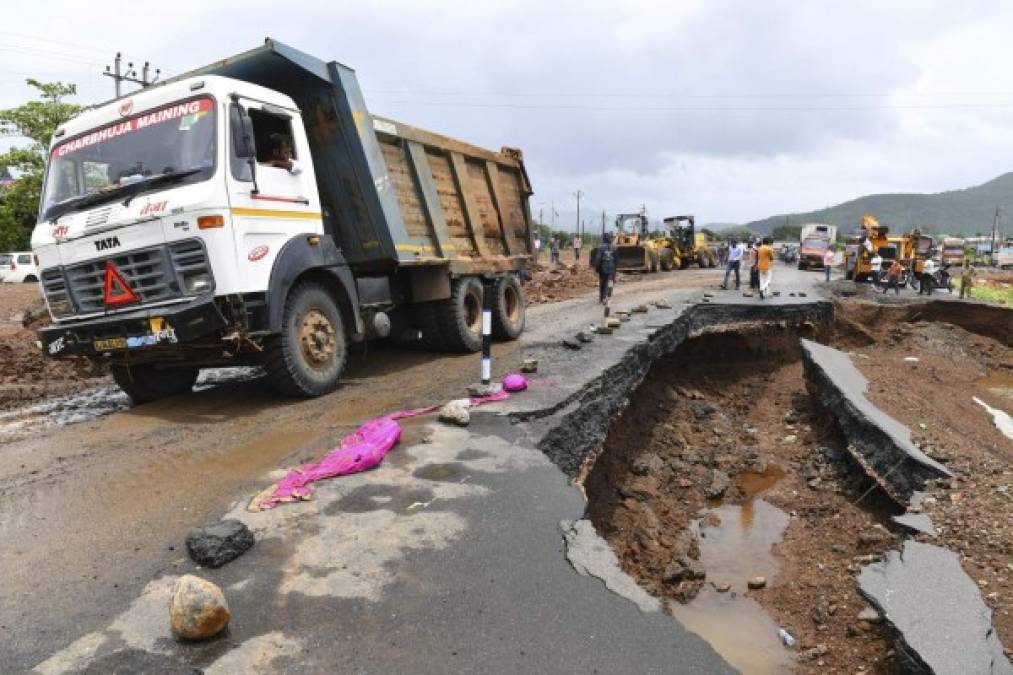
93	515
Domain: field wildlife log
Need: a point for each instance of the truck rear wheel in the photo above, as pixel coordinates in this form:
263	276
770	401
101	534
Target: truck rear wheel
701	259
309	355
460	316
148	382
508	309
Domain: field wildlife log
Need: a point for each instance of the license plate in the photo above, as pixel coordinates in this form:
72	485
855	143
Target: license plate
110	343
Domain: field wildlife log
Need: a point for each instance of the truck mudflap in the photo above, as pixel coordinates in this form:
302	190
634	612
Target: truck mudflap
133	331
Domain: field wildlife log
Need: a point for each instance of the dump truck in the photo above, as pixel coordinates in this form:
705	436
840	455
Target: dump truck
814	240
254	211
952	251
687	246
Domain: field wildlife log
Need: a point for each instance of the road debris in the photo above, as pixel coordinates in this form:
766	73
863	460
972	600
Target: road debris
529	366
219	543
942	625
198	609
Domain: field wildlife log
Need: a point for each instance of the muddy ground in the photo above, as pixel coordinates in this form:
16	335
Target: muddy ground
27	376
726	422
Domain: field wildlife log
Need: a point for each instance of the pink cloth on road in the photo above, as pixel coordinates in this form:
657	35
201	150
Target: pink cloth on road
357	452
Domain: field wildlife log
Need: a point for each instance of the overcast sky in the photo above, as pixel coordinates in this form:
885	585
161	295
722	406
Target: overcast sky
729	110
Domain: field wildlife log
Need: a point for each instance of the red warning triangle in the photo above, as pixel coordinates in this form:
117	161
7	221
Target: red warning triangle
117	292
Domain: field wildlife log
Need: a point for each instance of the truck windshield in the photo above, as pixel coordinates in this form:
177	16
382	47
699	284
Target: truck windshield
173	143
815	243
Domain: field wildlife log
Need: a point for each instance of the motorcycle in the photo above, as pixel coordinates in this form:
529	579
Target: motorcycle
940	280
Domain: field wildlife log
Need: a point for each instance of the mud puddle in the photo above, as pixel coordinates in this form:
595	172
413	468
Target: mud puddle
736	544
999	383
89	404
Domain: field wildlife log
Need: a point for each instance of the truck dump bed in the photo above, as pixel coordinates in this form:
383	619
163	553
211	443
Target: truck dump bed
393	194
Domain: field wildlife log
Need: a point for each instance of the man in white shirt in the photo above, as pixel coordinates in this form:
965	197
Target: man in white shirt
928	280
735	251
876	264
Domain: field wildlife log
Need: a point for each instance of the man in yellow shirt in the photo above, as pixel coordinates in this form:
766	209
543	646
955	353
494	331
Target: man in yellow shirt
765	265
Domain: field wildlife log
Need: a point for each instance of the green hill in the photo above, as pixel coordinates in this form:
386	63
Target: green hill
961	212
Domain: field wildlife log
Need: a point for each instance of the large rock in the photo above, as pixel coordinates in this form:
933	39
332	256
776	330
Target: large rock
223	542
197	609
880	444
456	412
942	624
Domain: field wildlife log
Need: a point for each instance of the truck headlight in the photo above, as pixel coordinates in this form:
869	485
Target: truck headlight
197	283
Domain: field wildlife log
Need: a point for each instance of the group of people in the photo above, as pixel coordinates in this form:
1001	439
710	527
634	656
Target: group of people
758	255
577	243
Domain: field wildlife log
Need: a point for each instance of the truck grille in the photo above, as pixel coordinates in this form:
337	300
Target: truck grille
55	288
154	274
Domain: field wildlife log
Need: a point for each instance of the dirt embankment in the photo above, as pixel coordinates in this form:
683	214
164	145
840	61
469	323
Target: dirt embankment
727	414
26	374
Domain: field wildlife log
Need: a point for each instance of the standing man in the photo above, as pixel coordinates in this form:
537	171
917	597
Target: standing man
734	263
765	265
966	278
606	268
754	274
554	250
828	259
538	247
927	280
876	265
577	244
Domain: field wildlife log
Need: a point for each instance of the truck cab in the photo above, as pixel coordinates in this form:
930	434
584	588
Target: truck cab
214	220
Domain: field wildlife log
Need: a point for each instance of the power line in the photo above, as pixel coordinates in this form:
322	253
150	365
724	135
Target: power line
684	95
62	43
745	108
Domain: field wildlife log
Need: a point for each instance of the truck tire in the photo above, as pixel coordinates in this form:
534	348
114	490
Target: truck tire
508	309
148	382
460	316
308	356
652	261
667	257
701	260
683	262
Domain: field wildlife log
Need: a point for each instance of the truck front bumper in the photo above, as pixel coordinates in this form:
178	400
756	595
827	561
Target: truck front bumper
132	331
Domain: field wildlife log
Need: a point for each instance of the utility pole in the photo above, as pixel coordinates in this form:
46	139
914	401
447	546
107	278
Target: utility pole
576	225
992	255
552	207
119	76
603	223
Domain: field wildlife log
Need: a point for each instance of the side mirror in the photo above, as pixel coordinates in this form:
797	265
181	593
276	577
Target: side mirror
243	143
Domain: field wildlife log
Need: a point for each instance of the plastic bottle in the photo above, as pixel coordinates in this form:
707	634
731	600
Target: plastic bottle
786	637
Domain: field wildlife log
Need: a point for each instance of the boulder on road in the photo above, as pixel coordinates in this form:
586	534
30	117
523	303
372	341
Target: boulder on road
197	609
220	543
456	412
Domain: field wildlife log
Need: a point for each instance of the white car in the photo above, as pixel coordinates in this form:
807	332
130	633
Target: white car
18	267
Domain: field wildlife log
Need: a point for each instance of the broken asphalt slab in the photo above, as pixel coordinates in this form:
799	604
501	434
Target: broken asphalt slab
879	443
942	624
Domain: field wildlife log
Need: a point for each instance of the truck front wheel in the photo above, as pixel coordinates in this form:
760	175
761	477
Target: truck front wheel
309	355
460	316
508	310
148	382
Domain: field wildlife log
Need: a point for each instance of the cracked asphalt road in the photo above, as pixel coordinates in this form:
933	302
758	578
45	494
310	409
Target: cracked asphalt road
93	517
